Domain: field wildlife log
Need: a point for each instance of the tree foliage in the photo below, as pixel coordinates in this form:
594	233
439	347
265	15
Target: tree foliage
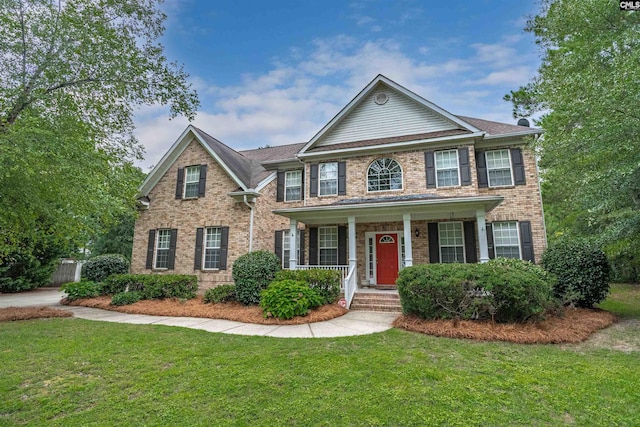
72	74
587	92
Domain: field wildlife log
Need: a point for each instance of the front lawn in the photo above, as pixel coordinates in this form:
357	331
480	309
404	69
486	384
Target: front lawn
74	372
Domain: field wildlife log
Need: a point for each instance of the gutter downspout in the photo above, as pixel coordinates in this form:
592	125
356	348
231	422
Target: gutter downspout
250	222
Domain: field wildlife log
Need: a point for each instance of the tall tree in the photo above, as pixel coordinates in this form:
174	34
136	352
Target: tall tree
587	92
72	74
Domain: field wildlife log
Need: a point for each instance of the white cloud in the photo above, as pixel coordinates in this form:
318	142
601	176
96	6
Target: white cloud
304	90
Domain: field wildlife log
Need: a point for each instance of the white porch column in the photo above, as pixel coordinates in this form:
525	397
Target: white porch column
293	250
352	242
482	235
408	247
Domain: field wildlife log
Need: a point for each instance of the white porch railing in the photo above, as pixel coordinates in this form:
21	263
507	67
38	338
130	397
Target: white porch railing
348	282
344	270
350	285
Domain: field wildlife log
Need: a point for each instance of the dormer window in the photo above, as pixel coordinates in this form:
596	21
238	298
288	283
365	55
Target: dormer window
383	175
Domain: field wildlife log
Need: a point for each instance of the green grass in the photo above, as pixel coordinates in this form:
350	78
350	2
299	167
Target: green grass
623	300
71	372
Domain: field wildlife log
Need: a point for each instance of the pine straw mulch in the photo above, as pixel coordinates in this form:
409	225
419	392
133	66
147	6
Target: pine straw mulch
197	308
573	326
25	313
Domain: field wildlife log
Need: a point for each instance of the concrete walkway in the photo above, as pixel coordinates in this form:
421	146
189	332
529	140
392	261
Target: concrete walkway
352	323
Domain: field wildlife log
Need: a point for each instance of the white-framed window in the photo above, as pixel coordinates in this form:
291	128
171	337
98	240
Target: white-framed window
451	240
212	243
383	175
328	179
447	170
163	242
499	168
191	181
328	245
506	241
292	185
286	248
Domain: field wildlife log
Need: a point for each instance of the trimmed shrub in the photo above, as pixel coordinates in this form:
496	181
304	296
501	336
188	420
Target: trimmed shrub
288	298
152	286
325	282
582	270
502	290
435	291
126	298
252	272
520	290
81	289
222	293
102	266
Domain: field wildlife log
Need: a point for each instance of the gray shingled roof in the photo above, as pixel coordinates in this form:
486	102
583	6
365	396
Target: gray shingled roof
390	140
494	128
246	164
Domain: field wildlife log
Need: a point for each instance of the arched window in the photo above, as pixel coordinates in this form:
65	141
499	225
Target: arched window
384	174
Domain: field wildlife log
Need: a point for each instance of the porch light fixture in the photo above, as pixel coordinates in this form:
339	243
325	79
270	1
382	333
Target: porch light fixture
417	232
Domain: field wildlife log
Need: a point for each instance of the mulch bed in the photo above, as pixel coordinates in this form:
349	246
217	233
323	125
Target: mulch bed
25	313
575	325
197	308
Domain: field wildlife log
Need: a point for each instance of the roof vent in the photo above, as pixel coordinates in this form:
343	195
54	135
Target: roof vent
381	98
523	122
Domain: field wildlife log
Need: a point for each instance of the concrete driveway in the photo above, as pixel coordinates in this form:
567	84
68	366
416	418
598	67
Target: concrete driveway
37	297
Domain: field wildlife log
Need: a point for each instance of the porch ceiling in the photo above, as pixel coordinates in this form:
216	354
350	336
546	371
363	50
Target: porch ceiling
427	209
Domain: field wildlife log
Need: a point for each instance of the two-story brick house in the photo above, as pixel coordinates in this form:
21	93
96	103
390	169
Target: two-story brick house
392	180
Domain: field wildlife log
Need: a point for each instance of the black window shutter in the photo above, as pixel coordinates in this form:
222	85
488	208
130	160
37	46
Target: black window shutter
430	167
203	180
302	186
313	181
434	243
342	245
301	257
197	259
470	242
481	168
224	247
342	178
526	241
313	246
280	187
465	170
492	251
179	183
518	166
150	246
277	247
171	264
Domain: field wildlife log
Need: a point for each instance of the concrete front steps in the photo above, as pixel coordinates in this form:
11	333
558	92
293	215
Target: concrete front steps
388	301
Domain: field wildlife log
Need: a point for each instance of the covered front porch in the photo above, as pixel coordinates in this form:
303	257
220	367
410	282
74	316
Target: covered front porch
378	237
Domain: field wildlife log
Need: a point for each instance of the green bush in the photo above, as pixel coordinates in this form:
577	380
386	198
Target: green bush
288	298
153	286
102	266
252	272
325	282
582	270
502	290
222	293
520	290
126	298
81	289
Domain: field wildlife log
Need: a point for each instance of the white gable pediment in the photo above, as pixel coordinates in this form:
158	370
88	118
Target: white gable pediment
385	109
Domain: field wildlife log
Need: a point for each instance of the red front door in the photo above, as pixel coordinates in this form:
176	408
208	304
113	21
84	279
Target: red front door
387	259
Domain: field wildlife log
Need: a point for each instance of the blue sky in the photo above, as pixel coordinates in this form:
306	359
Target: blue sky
274	72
